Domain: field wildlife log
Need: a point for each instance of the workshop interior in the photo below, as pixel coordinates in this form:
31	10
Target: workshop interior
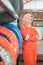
10	34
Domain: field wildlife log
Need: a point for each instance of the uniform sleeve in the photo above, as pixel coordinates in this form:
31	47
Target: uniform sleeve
24	33
36	33
33	38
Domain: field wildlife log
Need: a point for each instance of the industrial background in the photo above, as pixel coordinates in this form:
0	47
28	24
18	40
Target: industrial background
10	35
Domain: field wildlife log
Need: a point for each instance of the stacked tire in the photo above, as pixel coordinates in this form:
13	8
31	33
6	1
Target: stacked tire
10	38
10	43
17	32
8	46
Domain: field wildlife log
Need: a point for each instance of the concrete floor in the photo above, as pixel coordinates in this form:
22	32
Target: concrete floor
38	63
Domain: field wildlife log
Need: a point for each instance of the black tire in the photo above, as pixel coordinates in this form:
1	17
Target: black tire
18	5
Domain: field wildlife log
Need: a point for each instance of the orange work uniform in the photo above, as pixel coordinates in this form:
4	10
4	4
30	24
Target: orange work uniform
29	48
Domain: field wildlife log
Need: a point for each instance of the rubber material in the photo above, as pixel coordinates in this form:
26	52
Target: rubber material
5	36
12	37
6	45
16	32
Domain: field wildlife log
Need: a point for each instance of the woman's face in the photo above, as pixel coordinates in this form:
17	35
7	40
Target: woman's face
27	19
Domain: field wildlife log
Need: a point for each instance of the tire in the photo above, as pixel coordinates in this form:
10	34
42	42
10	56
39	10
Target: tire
12	37
17	32
7	52
6	58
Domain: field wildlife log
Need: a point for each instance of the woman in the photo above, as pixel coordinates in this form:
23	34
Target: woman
30	36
